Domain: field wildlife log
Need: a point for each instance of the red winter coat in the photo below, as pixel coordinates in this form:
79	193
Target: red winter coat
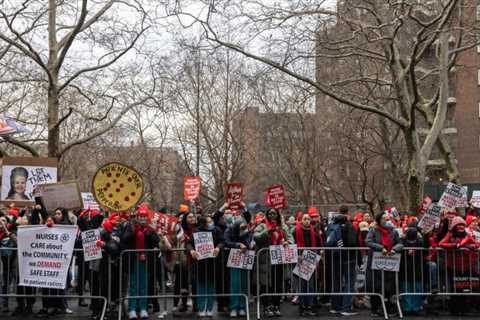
461	253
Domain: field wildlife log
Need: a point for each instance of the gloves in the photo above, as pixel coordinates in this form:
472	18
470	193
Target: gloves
100	244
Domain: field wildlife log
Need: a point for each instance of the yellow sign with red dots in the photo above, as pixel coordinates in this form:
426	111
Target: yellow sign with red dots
117	186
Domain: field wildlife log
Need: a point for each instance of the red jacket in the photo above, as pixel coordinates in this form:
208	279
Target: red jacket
461	253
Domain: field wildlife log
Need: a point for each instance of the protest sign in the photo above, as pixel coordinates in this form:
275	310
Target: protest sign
234	195
386	263
20	176
89	202
44	255
451	196
475	201
89	243
117	186
463	201
307	265
203	244
425	204
191	188
283	254
430	218
241	260
276	197
60	195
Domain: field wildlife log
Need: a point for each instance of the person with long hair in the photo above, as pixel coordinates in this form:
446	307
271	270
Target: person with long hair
18	184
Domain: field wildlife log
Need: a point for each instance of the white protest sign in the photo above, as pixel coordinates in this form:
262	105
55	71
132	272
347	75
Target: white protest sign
463	201
239	260
44	255
307	265
451	196
89	242
89	202
430	218
475	201
60	195
386	263
203	245
283	254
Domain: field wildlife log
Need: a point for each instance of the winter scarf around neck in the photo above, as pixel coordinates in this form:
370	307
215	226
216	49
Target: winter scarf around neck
386	240
300	239
278	235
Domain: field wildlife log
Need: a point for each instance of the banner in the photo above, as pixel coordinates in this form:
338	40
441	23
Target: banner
307	265
425	204
234	195
276	197
239	260
203	244
60	195
21	175
89	243
475	201
9	126
191	188
386	263
430	218
283	254
44	255
117	186
451	196
89	202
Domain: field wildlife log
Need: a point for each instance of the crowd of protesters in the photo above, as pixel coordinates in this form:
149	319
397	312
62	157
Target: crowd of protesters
153	253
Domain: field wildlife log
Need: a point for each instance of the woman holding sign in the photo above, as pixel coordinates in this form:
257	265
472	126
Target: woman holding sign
385	239
271	231
204	247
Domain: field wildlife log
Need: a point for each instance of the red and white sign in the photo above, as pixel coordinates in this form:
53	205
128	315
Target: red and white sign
475	201
191	188
276	197
425	204
234	195
451	196
463	202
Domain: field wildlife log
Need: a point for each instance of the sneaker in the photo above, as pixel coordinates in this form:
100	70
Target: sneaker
276	312
348	313
295	300
68	311
309	312
233	314
202	314
332	311
132	315
143	314
210	314
242	313
162	315
269	312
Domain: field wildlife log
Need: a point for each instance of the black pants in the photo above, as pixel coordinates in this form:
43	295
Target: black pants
83	275
181	284
222	280
154	273
275	286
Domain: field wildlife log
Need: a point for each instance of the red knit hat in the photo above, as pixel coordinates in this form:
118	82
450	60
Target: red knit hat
457	221
470	219
143	212
14	212
313	212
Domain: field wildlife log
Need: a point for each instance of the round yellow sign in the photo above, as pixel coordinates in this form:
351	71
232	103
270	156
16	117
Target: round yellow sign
117	186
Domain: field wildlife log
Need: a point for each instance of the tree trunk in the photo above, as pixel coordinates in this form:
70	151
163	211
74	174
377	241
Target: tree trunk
53	101
53	129
417	165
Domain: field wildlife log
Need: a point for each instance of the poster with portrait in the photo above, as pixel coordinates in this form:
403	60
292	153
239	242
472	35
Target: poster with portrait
20	176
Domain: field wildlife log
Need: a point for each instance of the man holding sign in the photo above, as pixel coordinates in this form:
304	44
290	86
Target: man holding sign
204	246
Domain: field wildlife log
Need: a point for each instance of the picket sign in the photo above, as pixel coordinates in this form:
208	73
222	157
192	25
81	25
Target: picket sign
430	218
283	254
89	242
307	265
203	245
386	263
475	201
239	260
451	196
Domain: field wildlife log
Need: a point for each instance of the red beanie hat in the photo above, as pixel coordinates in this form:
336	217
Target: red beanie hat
14	212
470	219
313	212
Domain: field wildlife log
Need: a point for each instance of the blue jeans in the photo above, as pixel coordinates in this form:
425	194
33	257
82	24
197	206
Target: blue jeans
205	303
238	285
414	302
344	276
138	287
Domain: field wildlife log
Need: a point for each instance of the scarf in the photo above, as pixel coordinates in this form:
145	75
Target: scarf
139	237
301	240
278	235
386	240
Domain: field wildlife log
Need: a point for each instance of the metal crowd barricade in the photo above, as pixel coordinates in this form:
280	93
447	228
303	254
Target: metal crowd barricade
437	272
149	275
335	276
78	277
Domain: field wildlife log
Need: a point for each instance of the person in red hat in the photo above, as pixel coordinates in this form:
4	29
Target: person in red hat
139	236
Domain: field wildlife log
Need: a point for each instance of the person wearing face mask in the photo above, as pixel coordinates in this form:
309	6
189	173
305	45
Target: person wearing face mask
238	236
411	266
461	258
139	236
204	270
271	231
305	237
382	238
